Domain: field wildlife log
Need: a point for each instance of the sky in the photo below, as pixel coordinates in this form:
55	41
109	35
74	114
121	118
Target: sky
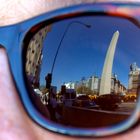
83	50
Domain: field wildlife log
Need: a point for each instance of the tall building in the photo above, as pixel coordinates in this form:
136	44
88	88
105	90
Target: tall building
134	79
34	56
93	84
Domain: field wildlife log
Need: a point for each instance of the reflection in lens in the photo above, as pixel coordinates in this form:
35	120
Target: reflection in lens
85	71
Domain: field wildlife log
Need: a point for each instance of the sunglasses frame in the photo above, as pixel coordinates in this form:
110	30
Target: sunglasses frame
13	38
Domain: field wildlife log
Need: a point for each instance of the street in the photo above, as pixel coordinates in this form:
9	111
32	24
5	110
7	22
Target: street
127	107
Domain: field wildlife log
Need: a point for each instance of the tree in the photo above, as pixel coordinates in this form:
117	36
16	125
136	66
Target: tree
82	89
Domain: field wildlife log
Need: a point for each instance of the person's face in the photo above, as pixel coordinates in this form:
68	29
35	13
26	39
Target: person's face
14	121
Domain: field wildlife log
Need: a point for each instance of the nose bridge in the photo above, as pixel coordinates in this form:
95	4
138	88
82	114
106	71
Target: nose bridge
8	36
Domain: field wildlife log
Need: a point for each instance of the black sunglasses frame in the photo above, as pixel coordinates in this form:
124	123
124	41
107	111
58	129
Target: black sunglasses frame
15	37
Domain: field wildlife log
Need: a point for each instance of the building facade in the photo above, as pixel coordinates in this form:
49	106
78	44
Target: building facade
134	79
34	56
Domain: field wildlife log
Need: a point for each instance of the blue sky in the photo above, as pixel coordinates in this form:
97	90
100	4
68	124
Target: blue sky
83	50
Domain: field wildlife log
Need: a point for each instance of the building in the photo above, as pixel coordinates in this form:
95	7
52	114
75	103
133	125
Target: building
34	56
134	79
116	86
93	83
70	85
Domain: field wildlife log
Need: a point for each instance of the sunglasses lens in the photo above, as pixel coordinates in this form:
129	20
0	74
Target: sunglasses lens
85	71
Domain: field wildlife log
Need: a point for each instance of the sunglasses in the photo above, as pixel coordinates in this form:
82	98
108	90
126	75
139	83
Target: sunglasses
77	69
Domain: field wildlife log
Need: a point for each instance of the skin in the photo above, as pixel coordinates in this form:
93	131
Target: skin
14	122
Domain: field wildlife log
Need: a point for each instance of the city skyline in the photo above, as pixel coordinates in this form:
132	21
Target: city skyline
72	62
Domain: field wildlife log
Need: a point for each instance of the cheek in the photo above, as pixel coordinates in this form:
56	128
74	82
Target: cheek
5	76
12	115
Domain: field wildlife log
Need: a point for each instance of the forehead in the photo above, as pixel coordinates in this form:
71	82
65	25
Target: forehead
21	10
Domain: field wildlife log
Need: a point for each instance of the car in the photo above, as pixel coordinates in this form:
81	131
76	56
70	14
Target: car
108	101
83	101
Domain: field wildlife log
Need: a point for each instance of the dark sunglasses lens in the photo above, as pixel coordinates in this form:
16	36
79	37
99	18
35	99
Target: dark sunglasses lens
85	71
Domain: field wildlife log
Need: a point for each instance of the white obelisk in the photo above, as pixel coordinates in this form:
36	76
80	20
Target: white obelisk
105	84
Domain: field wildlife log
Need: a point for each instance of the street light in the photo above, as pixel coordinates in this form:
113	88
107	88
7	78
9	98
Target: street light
66	30
49	76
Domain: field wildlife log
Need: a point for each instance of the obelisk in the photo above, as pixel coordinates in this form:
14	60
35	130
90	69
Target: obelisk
105	84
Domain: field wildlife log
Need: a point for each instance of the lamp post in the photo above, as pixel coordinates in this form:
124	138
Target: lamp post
66	30
49	75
